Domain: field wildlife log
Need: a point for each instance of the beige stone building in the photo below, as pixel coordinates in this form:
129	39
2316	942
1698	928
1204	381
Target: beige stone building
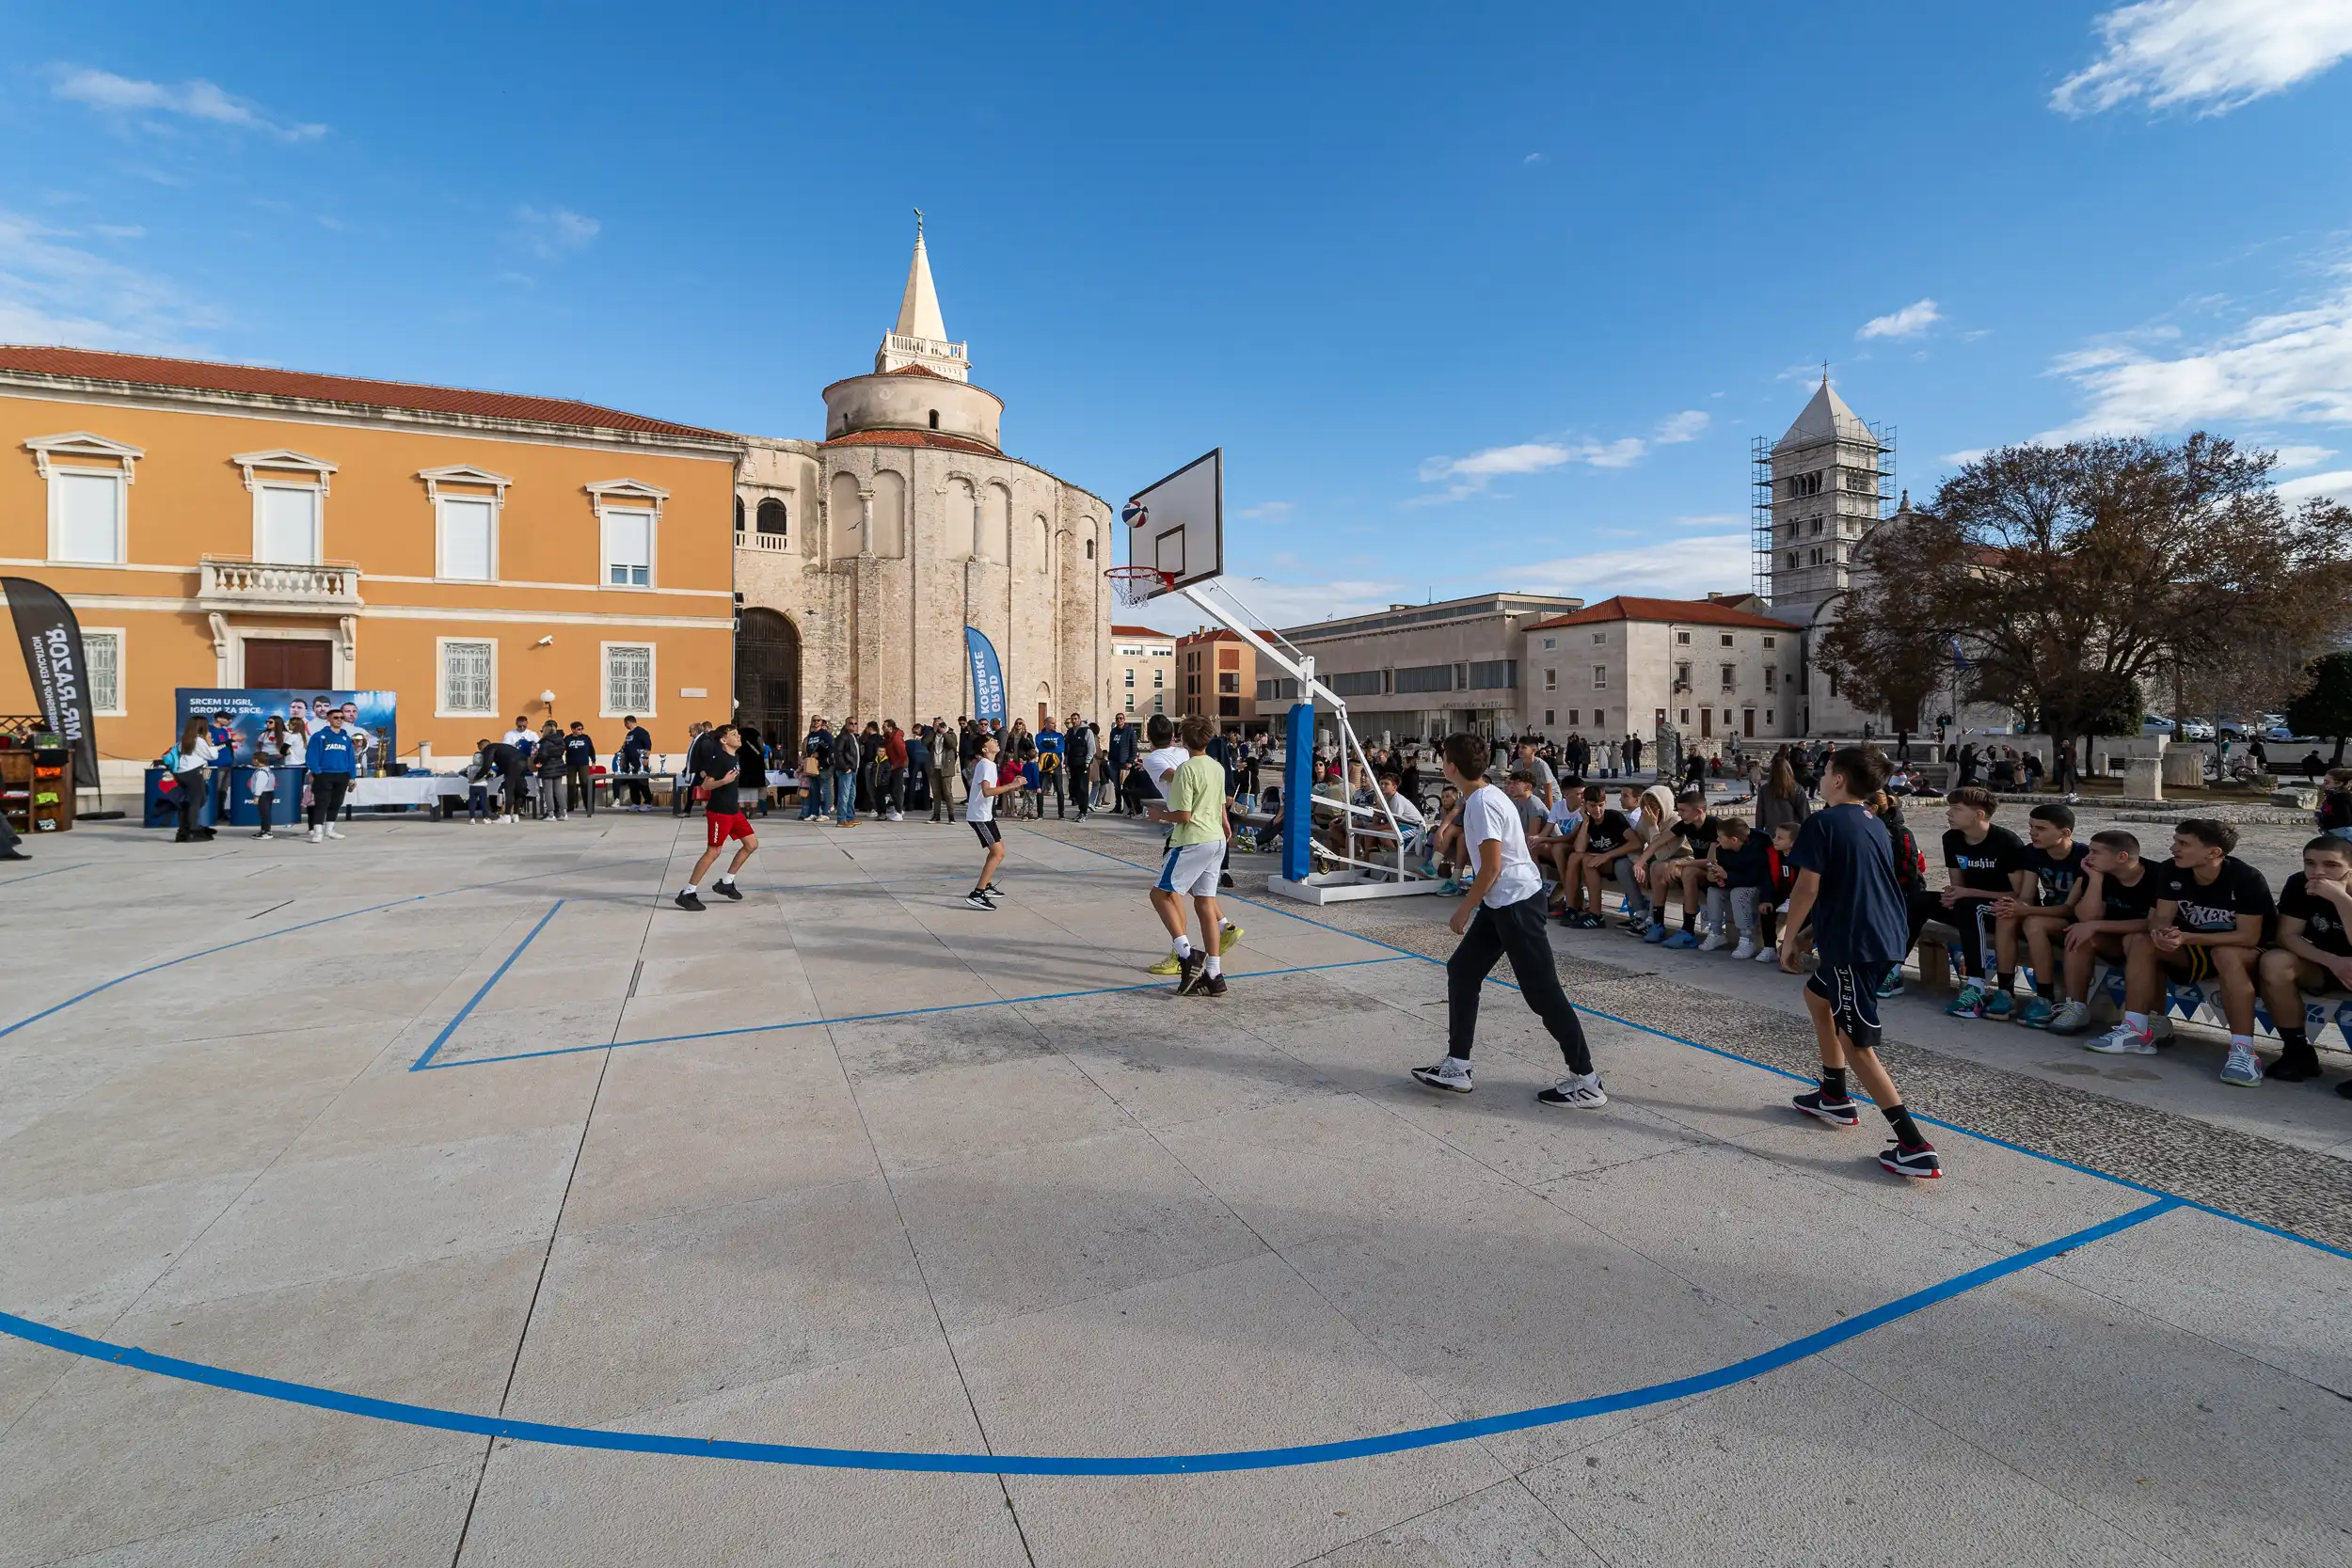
860	557
1218	677
1419	670
1715	668
1143	674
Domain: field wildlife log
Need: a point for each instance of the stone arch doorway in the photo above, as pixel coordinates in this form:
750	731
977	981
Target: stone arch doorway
767	677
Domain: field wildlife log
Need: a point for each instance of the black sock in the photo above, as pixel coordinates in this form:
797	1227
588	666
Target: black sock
1906	1130
2043	988
2293	1039
1833	1082
2008	982
1689	917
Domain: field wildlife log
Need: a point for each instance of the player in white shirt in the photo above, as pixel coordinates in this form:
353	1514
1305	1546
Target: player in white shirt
980	809
1502	914
1164	758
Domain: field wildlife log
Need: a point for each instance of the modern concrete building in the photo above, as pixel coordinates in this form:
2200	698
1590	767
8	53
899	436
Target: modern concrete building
1217	675
1143	673
1716	668
860	557
1428	669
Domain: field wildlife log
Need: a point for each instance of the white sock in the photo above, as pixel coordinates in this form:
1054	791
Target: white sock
689	890
2137	1020
2236	1042
1216	966
726	877
1183	947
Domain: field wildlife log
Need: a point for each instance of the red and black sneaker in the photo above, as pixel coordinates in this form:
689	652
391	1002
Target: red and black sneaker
1839	1112
1919	1161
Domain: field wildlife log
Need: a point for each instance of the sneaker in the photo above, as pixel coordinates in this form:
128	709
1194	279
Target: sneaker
1225	879
1920	1163
265	835
979	899
334	832
2295	1066
1716	942
1451	1073
1654	935
2244	1069
1682	941
1893	984
689	901
2160	1029
2072	1018
318	836
2344	1088
1210	985
1999	1003
1816	1103
1449	889
2035	1014
1969	1003
1769	956
1165	967
898	817
992	891
1746	949
728	890
1577	1091
2122	1040
1227	935
1587	921
1190	971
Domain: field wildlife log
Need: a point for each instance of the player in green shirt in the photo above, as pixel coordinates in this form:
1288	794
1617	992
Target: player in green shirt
1196	853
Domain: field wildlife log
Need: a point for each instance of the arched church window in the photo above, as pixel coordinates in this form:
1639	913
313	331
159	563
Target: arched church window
1089	549
771	515
934	418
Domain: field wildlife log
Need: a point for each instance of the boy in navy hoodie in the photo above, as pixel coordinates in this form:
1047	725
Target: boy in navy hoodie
331	758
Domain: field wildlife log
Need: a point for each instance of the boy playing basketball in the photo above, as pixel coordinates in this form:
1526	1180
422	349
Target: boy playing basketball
724	819
980	809
1196	856
1845	865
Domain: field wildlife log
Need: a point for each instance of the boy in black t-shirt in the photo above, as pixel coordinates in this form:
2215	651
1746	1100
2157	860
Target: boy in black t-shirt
1740	877
1980	867
1846	884
2119	892
1681	869
721	771
2053	864
1602	843
2207	925
2313	954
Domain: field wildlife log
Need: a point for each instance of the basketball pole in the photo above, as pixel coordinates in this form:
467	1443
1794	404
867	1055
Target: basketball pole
1298	807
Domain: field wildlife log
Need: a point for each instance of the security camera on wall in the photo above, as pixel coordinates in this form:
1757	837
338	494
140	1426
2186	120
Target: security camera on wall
547	642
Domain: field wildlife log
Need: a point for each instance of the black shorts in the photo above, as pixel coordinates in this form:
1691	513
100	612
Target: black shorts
988	833
2188	963
1853	994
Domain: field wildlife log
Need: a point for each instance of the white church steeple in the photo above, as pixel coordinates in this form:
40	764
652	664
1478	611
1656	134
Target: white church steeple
920	338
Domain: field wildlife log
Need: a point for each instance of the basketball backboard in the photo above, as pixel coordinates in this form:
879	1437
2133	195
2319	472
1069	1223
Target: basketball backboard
1177	526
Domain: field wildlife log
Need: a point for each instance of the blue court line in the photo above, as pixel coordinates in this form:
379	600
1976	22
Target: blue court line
1079	1464
813	1022
475	1000
2313	1242
36	876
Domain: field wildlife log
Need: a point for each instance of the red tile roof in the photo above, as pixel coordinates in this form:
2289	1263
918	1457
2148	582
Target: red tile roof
1698	612
257	380
912	438
1136	631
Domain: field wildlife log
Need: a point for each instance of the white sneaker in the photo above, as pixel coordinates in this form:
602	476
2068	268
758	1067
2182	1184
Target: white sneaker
1577	1091
1714	943
318	836
1770	955
334	832
1451	1073
2122	1040
2160	1028
2244	1069
506	819
1747	948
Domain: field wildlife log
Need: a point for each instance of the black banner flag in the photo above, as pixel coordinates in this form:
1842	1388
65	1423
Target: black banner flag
54	658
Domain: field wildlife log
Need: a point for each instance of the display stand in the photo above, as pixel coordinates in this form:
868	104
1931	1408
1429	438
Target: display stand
37	789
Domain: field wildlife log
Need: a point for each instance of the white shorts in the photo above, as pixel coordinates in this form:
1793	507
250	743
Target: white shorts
1191	870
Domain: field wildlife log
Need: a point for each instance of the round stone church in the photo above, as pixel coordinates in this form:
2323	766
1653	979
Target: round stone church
860	557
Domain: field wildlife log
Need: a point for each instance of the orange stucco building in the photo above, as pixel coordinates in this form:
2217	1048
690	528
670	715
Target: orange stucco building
232	526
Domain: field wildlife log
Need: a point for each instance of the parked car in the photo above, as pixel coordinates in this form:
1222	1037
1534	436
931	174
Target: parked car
2155	723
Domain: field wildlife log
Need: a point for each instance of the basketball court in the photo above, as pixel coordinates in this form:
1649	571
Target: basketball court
446	1194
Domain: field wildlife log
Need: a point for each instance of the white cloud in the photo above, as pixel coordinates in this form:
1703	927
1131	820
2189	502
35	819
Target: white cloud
1532	158
1677	568
2291	367
2335	486
1271	510
553	231
2291	458
2217	54
1909	322
119	231
197	99
1689	425
1467	476
53	292
1709	520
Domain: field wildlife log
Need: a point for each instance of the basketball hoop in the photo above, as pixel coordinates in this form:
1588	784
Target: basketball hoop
1135	585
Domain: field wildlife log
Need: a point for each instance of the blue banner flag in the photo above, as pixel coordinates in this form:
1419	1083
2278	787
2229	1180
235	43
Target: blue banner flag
988	677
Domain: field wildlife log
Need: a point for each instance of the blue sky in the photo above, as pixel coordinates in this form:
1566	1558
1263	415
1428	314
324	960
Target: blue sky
1472	298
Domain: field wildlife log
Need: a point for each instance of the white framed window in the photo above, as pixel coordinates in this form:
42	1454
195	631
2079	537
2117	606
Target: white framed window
286	523
467	529
1600	677
1131	677
629	680
87	508
101	654
628	549
1683	639
470	669
1550	644
1159	678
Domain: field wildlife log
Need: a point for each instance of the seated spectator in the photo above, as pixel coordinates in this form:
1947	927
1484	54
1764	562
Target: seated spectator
2335	803
1981	865
2207	925
1911	869
2313	954
1603	851
1410	821
1776	900
1740	877
1682	870
2119	894
2054	865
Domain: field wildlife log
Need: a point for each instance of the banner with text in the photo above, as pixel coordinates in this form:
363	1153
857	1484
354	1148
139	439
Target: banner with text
988	677
54	660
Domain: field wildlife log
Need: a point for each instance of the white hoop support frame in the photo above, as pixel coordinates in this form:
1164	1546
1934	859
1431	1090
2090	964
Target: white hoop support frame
1135	585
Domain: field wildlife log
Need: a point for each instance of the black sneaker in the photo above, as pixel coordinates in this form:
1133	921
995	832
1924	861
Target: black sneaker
2294	1066
2344	1088
1576	1092
1210	985
1190	971
688	901
994	891
1816	1103
1920	1161
728	890
1225	879
977	898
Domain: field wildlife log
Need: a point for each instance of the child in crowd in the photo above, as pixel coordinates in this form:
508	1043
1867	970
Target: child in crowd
1982	865
2053	881
2119	892
1777	892
2335	804
2313	954
1604	844
1681	869
1742	876
2207	925
1910	868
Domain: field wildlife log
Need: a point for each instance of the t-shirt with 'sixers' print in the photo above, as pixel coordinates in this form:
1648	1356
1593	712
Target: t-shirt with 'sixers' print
2205	908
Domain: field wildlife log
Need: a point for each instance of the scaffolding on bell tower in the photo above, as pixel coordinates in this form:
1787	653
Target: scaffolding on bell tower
1854	488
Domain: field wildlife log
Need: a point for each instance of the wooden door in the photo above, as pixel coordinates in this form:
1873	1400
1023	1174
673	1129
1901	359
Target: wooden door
1707	722
279	664
1747	719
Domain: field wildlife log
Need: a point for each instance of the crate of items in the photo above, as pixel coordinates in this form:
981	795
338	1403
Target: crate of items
36	787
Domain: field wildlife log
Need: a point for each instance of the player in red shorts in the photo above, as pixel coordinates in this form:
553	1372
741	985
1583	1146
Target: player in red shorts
724	815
